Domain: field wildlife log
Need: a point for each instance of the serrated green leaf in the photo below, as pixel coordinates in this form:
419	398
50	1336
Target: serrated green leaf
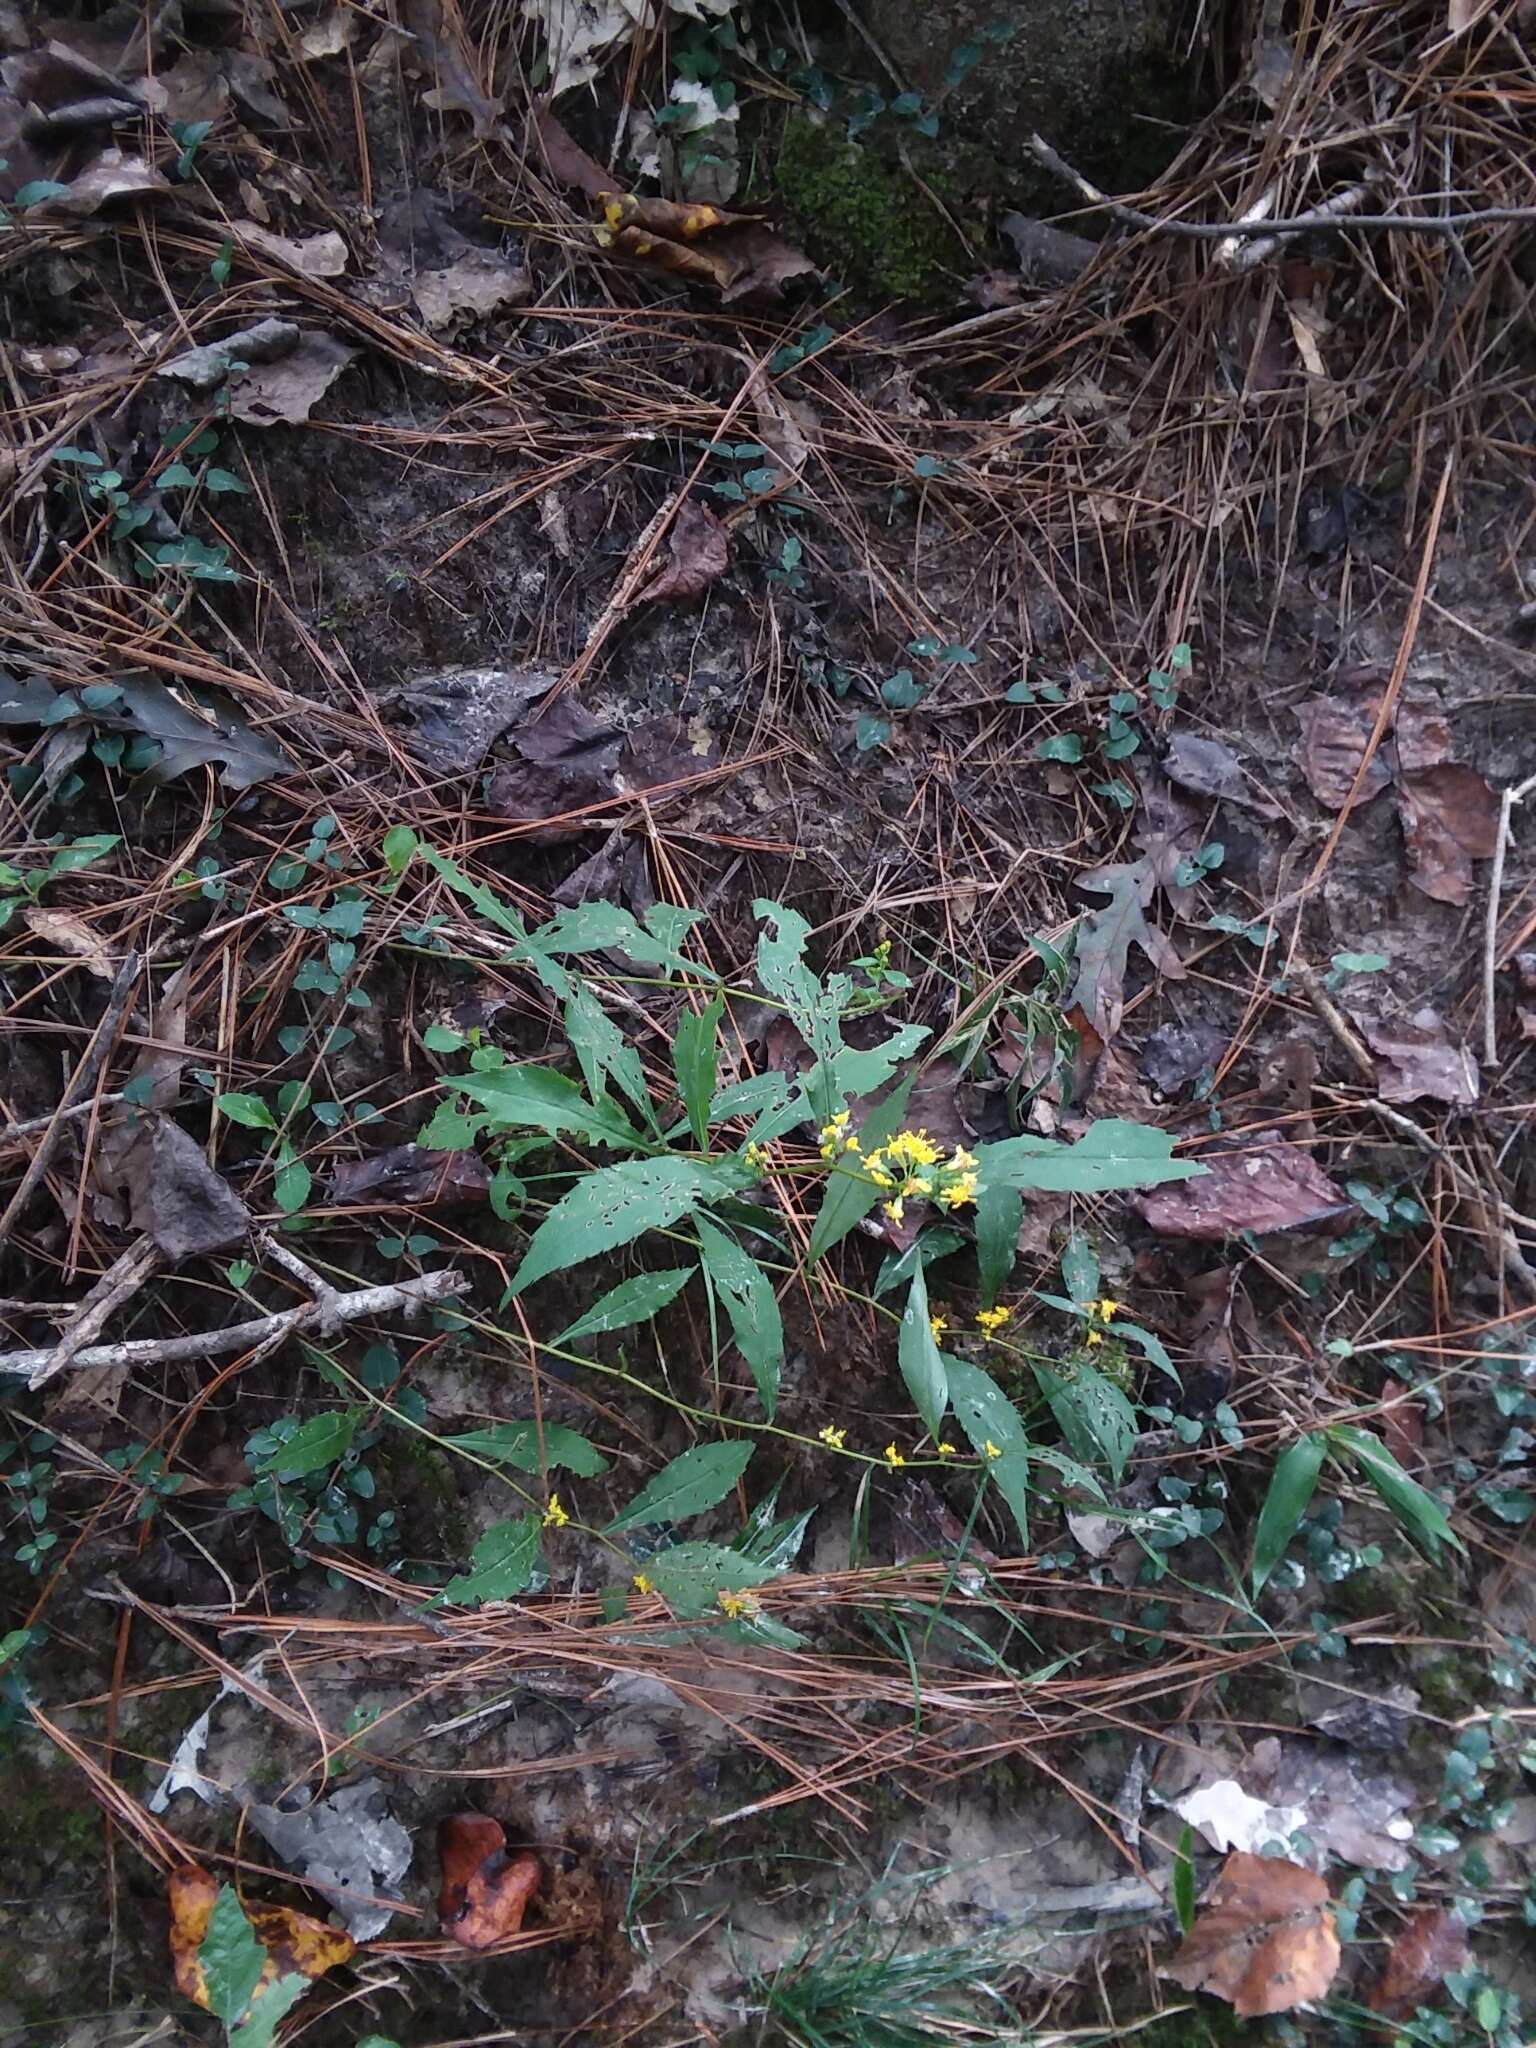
632	1301
501	1566
490	906
232	1958
1096	1419
696	1062
989	1418
1113	1153
517	1444
1291	1487
314	1444
850	1195
922	1363
697	1480
1418	1512
690	1577
612	1207
537	1098
862	1072
249	1110
752	1306
604	927
999	1218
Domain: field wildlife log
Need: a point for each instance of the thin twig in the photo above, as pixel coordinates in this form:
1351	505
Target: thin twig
1511	797
1295	224
34	1124
117	1285
80	1082
409	1295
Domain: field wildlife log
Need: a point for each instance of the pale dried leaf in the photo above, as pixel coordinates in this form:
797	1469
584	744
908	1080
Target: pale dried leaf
1419	1060
312	256
480	283
1262	1187
285	392
72	935
1265	1941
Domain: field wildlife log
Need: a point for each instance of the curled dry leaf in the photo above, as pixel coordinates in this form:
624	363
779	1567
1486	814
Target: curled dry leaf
1335	732
735	254
207	367
312	256
1253	1187
284	393
700	550
1265	1941
484	1891
174	1194
1450	819
411	1173
296	1944
1430	1947
480	283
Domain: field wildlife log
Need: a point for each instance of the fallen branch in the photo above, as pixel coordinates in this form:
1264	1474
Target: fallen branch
410	1295
1511	797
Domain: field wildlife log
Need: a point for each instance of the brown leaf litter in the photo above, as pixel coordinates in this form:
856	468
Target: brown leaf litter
700	549
484	1892
1430	1947
1261	1187
1265	1940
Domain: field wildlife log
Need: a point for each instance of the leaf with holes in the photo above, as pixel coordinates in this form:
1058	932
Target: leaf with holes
996	1434
501	1566
632	1301
752	1306
1113	1153
1096	1419
697	1480
523	1098
690	1577
613	1207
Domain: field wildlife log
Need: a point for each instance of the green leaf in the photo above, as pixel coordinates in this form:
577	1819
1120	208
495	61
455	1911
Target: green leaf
1418	1512
861	1071
850	1194
503	917
503	1564
1113	1153
231	1956
273	2004
1152	1348
604	927
517	1444
291	1185
999	1218
604	1053
1291	1487
752	1306
1096	1419
400	842
987	1416
1080	1269
696	1062
612	1207
1066	747
82	853
691	1483
314	1444
12	1643
897	1268
690	1577
921	1362
1184	1880
539	1099
249	1110
632	1301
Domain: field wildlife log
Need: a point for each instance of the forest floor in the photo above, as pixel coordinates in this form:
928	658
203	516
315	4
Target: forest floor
767	1235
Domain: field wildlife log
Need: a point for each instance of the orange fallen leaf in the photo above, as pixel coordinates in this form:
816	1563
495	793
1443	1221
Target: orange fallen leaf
1265	1941
1432	1944
296	1944
484	1892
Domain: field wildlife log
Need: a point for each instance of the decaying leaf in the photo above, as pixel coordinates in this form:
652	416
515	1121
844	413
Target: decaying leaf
1105	938
700	551
442	49
114	175
285	392
296	1944
1265	1941
484	1892
479	283
207	367
738	256
1263	1187
1210	768
1430	1947
1450	819
312	256
195	731
72	935
458	713
347	1845
1419	1061
174	1194
567	760
412	1174
1231	1818
1335	731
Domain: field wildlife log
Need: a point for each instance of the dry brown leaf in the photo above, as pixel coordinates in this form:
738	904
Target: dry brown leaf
114	175
1210	768
1105	938
1265	1941
411	1173
442	48
1264	1187
1432	1945
284	393
313	256
296	1944
484	1892
480	283
1419	1060
175	1196
1334	734
1450	819
73	935
700	550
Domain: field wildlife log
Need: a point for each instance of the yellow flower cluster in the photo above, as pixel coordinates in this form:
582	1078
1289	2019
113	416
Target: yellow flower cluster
1100	1315
911	1165
756	1158
836	1137
990	1320
642	1584
739	1606
834	1439
893	1458
555	1516
938	1325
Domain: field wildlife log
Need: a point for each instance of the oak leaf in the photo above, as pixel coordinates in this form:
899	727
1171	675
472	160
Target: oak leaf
1265	1942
